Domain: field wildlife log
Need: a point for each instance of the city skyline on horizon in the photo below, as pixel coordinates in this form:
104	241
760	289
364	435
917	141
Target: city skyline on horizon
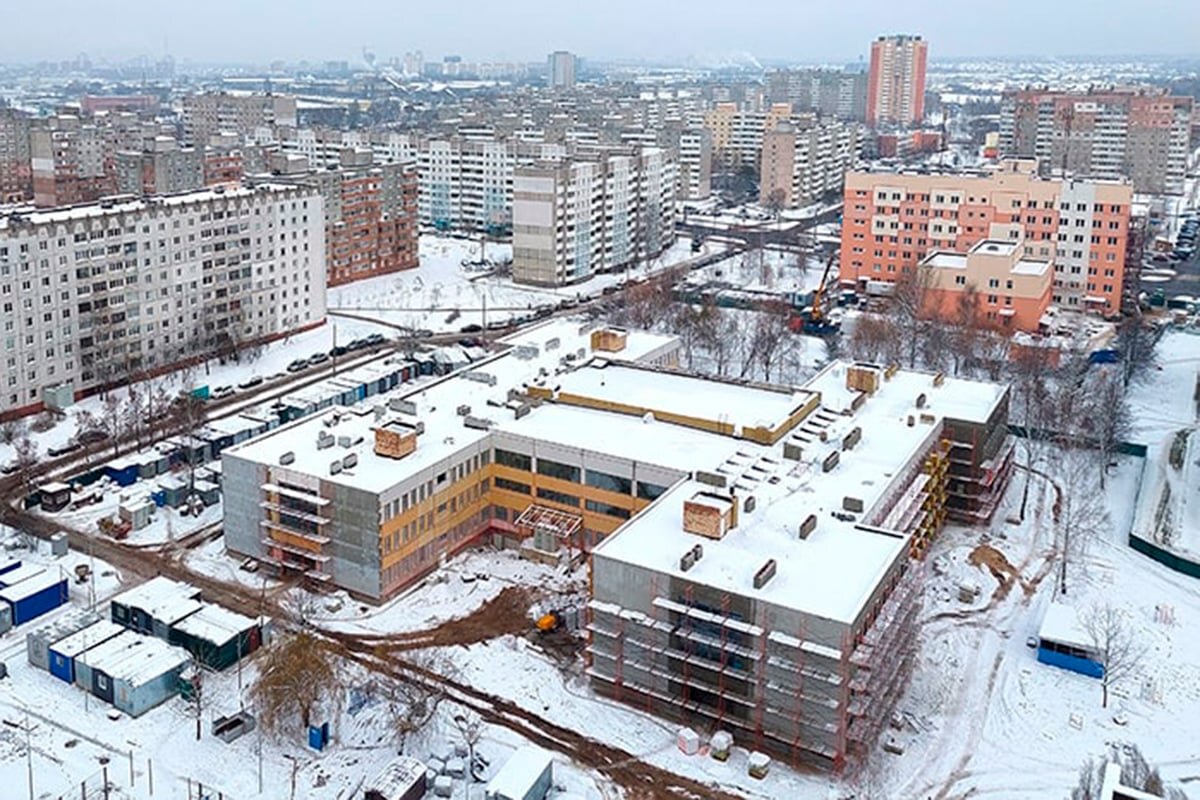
317	32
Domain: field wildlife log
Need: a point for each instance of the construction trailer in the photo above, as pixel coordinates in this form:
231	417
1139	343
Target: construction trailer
527	775
39	640
216	636
134	673
1063	642
155	606
62	654
35	596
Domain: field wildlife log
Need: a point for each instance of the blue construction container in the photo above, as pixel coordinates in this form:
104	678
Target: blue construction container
39	595
64	652
9	564
123	471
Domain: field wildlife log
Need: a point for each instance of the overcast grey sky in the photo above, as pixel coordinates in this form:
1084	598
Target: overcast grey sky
259	31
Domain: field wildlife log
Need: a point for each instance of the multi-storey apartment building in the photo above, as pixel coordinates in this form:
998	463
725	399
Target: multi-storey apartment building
95	294
560	70
695	164
72	162
587	214
163	167
896	81
893	220
370	216
737	133
1139	133
16	175
829	92
207	114
803	163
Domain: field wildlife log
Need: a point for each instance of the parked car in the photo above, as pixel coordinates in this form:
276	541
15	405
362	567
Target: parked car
423	333
9	467
93	436
317	358
250	383
63	449
299	365
471	329
357	344
338	351
221	392
375	338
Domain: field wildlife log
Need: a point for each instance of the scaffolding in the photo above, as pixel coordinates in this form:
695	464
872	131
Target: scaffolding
561	527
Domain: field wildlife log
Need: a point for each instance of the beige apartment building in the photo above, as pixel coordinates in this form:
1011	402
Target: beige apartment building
801	163
1011	290
588	214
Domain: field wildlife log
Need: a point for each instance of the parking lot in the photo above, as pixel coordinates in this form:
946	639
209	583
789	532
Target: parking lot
1186	277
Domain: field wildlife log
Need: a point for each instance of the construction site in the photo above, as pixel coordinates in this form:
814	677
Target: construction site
774	594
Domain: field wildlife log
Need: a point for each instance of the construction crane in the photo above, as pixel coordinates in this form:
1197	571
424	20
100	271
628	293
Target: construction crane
813	320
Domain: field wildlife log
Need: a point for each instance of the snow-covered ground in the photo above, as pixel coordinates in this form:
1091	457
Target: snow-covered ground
769	271
444	295
1164	403
272	361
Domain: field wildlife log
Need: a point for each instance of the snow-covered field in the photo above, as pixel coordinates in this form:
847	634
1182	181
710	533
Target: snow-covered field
770	271
443	295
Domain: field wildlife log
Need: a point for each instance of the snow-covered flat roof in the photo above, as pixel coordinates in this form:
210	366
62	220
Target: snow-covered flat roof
833	570
127	203
1030	266
87	638
135	659
721	401
31	586
162	598
483	386
519	773
1062	624
215	624
398	777
624	436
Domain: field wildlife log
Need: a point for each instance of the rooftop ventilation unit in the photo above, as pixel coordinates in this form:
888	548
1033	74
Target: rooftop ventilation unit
350	461
690	558
808	526
335	467
764	574
324	440
287	458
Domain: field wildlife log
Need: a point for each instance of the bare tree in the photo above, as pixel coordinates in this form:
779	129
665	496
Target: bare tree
1079	511
1118	649
411	699
1108	419
1036	409
298	676
1136	773
112	417
964	341
11	430
775	202
875	338
25	454
908	307
770	336
1136	342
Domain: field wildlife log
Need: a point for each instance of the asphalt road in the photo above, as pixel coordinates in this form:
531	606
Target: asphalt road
1186	280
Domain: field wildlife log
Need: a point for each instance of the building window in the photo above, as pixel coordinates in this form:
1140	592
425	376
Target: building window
512	486
558	497
508	458
611	483
650	491
607	510
555	469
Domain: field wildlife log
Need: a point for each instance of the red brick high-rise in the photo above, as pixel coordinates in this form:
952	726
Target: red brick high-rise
896	81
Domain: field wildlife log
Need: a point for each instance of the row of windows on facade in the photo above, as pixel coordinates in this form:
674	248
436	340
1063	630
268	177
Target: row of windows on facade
956	199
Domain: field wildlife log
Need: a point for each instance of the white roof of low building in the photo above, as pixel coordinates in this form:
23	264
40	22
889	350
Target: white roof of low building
436	403
86	639
162	598
31	586
135	659
519	773
215	624
1062	624
400	775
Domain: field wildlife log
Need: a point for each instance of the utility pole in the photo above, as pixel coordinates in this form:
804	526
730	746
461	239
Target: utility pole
28	755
